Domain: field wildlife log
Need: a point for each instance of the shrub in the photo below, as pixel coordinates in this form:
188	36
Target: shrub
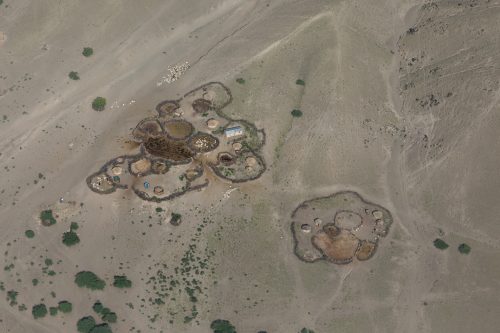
296	113
85	324
98	307
222	326
74	75
65	306
29	233
12	297
53	311
440	244
175	218
464	248
306	330
300	82
34	281
159	209
102	328
240	80
99	103
39	311
73	226
121	281
110	317
70	238
87	51
47	218
86	279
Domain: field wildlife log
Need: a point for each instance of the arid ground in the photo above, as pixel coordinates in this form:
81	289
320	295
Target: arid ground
399	102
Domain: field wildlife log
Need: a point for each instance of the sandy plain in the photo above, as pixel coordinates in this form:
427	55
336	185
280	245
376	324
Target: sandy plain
401	104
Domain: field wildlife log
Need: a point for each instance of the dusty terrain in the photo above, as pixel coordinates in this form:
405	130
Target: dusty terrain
400	104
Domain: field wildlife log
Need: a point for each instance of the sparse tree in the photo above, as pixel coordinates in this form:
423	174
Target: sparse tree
99	104
87	51
39	311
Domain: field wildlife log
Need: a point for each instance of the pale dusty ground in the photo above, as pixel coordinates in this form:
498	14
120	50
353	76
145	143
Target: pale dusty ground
434	167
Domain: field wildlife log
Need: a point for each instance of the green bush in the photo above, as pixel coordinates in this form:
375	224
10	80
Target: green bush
53	311
65	306
47	218
464	248
35	282
306	330
296	113
99	104
121	281
222	326
86	279
175	218
70	238
29	233
39	311
440	244
85	324
74	75
102	328
240	80
87	51
300	82
110	317
73	226
98	307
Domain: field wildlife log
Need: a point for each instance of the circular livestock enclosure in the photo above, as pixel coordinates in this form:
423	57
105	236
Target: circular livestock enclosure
226	158
178	129
203	142
202	105
147	128
167	108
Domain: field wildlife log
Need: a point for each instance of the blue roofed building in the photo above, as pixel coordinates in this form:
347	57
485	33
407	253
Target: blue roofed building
232	132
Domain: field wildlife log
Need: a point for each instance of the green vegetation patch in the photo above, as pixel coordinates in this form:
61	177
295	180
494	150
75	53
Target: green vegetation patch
296	113
85	324
222	326
98	307
70	238
102	328
306	330
240	80
73	226
121	281
74	75
35	282
65	306
53	311
87	51
87	279
175	219
47	218
110	317
300	82
12	297
39	311
440	244
99	103
29	233
464	248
